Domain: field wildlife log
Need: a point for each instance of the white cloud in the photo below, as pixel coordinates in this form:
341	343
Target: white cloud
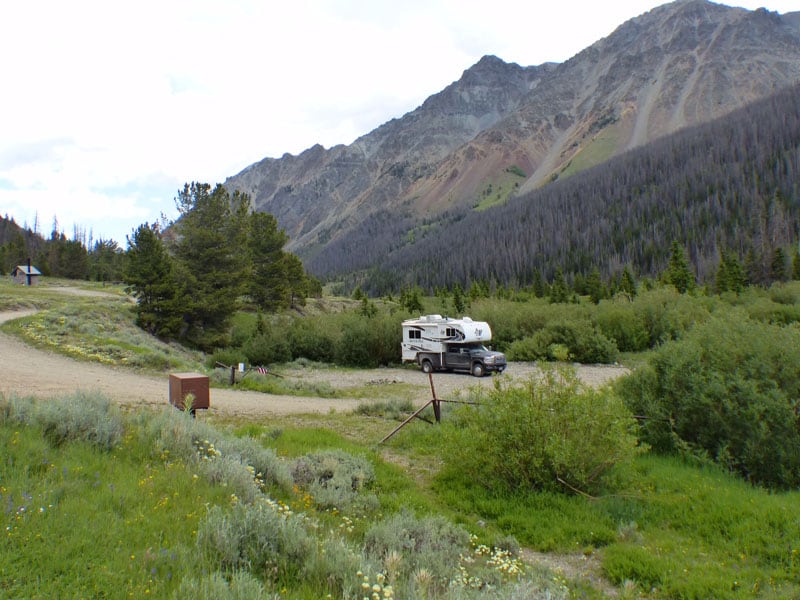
109	107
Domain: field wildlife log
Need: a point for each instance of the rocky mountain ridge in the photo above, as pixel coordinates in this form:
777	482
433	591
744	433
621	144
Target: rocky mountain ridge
503	129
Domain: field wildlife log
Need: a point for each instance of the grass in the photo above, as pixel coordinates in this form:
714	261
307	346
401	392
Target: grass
94	328
132	516
149	515
80	522
83	516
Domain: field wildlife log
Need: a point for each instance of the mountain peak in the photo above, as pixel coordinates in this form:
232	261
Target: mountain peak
502	129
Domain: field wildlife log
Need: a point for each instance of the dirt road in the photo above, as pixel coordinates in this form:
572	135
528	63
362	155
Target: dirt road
27	371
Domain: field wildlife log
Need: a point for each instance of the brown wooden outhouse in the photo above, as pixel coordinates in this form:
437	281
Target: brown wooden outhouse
26	274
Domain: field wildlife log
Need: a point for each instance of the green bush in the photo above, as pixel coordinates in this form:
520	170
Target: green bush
411	543
582	341
727	392
631	563
336	479
549	434
267	348
263	538
240	585
83	416
226	356
368	342
620	323
309	339
667	315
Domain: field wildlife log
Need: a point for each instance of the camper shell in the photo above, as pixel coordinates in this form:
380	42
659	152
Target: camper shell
435	342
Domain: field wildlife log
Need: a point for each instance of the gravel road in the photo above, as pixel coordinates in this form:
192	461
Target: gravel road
28	371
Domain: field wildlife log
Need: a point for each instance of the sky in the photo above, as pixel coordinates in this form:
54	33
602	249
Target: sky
108	108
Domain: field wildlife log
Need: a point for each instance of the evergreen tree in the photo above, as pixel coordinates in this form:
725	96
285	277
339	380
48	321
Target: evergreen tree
538	284
778	265
413	301
269	282
212	233
150	276
458	299
595	287
796	267
559	291
730	275
106	261
296	280
678	272
627	282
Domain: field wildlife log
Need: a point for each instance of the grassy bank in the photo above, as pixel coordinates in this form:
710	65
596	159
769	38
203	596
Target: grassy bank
151	506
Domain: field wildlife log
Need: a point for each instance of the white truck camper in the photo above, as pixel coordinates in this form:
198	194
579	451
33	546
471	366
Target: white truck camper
436	342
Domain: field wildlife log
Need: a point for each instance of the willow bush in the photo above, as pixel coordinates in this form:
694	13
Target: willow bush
548	434
726	392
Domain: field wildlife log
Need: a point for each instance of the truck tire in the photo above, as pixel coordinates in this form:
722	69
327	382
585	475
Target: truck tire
478	370
427	366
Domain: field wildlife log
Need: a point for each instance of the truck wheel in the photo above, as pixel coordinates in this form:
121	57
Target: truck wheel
427	367
477	370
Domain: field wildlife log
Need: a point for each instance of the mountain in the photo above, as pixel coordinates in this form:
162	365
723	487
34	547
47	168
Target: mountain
503	130
727	187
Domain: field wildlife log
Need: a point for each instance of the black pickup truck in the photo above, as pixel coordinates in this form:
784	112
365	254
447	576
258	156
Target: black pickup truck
472	357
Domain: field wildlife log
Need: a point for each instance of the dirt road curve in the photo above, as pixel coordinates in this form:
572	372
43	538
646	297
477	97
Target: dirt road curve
28	371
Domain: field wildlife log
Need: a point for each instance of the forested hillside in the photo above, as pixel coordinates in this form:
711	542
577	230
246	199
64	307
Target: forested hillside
78	258
728	186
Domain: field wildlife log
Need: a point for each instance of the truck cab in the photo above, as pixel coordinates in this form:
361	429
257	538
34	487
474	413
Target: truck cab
475	358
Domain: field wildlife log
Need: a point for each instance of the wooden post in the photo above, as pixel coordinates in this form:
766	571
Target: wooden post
437	409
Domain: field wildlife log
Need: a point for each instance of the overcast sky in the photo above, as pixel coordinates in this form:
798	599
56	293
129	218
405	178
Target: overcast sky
109	107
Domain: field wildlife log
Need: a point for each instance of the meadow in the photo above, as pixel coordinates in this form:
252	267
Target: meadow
103	502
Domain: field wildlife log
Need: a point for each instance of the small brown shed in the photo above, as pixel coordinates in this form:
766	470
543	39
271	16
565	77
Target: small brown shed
26	275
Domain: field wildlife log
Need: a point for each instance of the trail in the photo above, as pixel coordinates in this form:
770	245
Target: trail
29	371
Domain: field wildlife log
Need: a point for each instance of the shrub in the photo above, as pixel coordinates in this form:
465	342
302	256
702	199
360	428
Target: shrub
263	538
620	323
549	434
408	543
394	409
226	356
667	315
266	348
269	468
368	342
566	340
83	416
241	463
726	392
241	585
307	339
336	479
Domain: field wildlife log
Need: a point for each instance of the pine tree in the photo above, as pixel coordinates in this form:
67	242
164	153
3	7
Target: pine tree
559	291
595	287
150	277
678	272
796	267
458	299
296	279
268	282
778	265
627	283
211	247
